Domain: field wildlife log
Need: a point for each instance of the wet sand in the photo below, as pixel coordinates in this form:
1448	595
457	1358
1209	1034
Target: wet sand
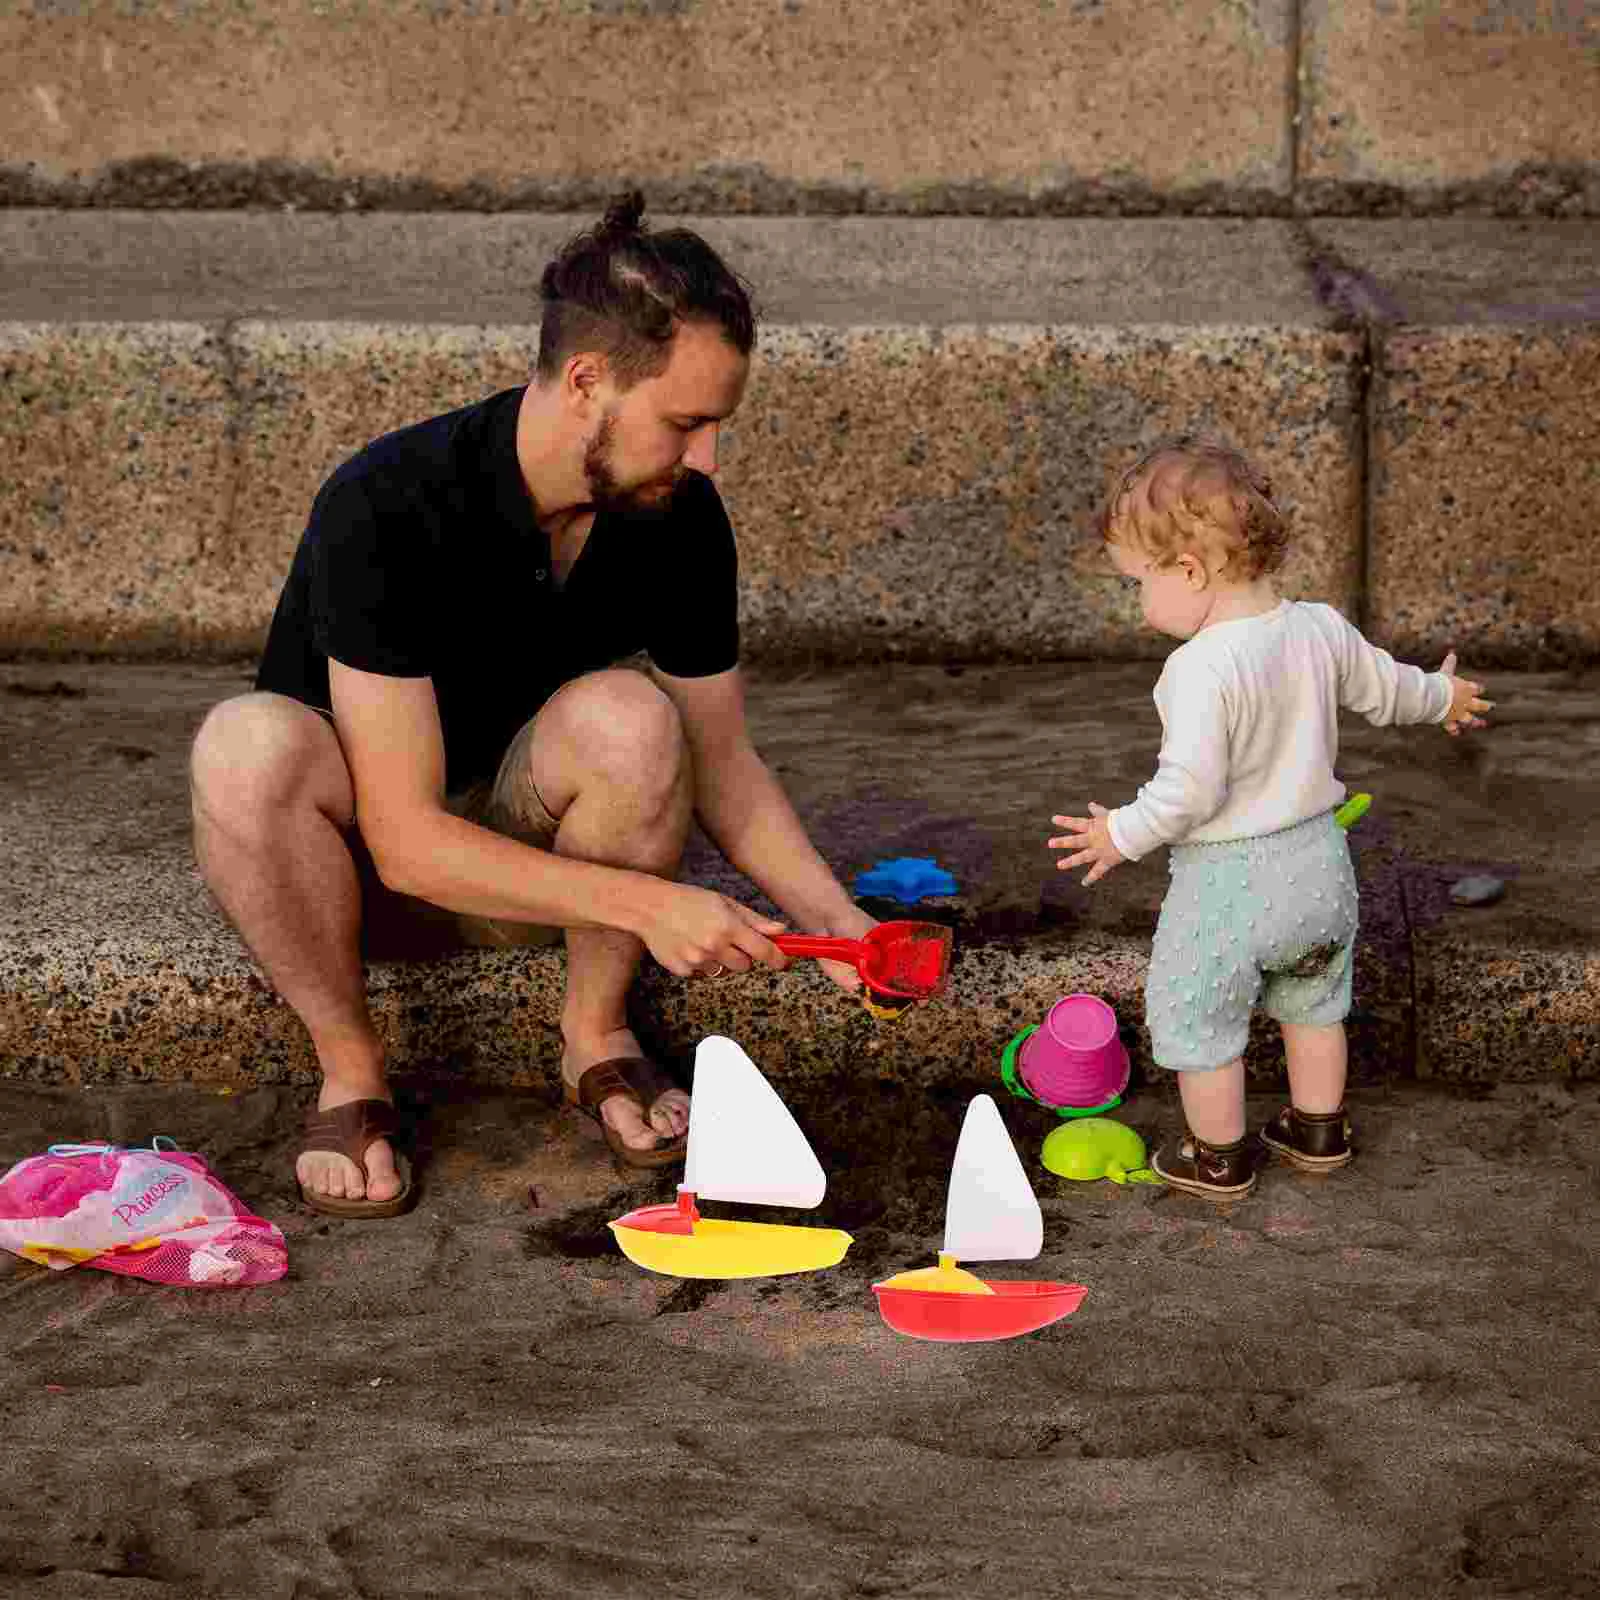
1372	1385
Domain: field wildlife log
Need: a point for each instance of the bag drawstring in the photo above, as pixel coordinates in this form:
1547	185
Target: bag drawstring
157	1146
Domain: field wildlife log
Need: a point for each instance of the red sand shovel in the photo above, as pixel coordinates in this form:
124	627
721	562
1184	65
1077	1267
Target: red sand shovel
901	963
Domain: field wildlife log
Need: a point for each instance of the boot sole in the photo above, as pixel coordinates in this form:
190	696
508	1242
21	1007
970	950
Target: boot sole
1213	1191
1298	1158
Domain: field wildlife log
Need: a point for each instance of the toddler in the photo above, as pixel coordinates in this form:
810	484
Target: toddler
1262	903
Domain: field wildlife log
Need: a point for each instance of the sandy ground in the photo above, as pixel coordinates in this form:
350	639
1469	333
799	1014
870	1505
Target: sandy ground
1372	1385
1375	1385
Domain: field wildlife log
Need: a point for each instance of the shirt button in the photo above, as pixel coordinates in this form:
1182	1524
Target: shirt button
540	575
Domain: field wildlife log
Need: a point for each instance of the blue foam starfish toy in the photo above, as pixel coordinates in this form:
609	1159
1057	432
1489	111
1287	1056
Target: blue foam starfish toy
907	879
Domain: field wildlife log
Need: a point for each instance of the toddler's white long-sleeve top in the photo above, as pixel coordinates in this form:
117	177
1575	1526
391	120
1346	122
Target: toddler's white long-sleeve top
1250	725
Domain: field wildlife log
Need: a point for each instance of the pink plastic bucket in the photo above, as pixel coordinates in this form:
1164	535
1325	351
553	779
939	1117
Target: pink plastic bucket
1076	1058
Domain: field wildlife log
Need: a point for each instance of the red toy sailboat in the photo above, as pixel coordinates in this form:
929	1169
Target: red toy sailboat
991	1215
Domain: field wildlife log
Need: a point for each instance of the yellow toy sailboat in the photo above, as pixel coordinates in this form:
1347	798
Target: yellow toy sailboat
990	1215
743	1146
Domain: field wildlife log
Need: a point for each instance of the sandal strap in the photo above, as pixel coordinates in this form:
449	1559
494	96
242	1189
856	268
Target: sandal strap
635	1076
349	1129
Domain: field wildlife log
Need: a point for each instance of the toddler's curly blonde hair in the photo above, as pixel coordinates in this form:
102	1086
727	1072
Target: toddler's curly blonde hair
1188	493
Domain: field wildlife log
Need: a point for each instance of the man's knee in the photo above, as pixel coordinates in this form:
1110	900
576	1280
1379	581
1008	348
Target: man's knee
259	754
623	728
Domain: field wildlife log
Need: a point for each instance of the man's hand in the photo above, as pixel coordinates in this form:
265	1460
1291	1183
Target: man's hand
1463	700
1091	838
693	931
855	924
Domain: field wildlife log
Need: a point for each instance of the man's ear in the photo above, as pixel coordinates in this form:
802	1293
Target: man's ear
583	375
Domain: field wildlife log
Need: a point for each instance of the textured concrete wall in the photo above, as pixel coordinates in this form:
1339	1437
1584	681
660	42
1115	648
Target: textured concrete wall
1484	461
926	494
963	105
1020	106
118	481
1439	105
935	410
898	492
1486	483
918	485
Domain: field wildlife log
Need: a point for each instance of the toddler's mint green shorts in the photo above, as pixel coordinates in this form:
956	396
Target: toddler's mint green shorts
1270	919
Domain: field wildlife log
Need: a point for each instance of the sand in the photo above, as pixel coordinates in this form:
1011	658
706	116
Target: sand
1370	1385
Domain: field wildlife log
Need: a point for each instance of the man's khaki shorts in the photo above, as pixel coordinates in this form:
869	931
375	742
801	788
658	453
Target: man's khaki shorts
397	925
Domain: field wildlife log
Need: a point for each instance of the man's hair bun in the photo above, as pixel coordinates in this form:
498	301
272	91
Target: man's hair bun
624	216
621	289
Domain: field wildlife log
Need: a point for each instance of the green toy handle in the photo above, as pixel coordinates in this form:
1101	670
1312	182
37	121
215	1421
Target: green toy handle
1012	1078
1008	1064
1352	811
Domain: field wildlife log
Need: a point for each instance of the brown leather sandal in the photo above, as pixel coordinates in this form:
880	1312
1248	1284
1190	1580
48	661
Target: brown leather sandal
644	1083
348	1130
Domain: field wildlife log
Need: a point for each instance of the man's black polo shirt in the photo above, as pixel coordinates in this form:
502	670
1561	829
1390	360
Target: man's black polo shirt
422	559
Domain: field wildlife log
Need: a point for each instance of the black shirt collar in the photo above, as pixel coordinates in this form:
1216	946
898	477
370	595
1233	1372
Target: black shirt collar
513	505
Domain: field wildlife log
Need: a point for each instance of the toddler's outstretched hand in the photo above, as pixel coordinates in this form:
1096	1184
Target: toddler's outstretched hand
1463	700
1091	838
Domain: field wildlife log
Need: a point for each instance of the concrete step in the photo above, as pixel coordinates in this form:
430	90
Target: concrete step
936	407
115	966
1014	106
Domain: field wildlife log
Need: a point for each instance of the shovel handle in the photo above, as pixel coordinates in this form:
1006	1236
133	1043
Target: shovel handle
802	944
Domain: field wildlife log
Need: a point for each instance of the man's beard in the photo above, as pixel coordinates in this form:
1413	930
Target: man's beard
606	494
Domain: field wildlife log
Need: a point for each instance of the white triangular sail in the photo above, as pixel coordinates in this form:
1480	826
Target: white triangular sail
743	1144
991	1214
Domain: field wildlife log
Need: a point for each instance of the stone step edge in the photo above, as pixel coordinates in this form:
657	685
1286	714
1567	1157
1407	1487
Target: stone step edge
492	1016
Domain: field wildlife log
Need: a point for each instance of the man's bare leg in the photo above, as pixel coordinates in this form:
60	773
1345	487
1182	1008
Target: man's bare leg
272	802
609	759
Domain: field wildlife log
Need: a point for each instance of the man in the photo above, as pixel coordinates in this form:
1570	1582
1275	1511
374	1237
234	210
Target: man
439	727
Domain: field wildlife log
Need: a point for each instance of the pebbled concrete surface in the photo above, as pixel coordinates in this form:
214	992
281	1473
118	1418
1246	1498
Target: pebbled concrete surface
935	410
936	407
1474	532
115	967
473	269
1479	440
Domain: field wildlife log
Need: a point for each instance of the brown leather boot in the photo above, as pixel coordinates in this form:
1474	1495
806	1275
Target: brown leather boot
1314	1141
1223	1171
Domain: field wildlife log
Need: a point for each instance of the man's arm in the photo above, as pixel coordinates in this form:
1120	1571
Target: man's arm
394	746
742	806
395	750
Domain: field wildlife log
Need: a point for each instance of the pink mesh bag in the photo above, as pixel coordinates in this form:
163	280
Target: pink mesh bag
156	1213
